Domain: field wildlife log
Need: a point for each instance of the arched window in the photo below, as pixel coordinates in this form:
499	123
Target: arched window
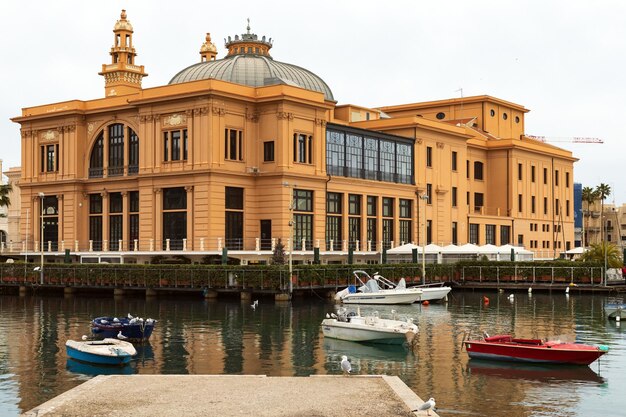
96	160
119	140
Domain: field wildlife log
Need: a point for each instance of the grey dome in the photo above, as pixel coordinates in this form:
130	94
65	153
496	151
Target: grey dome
254	71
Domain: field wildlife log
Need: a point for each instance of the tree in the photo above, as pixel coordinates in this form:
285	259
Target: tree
5	200
597	251
589	196
278	257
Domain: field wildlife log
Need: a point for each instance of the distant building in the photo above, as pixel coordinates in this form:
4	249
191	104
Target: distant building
242	151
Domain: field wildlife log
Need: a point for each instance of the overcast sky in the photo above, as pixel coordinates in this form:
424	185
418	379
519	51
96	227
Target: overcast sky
563	60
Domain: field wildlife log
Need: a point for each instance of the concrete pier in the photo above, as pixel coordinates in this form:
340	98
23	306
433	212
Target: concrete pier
235	395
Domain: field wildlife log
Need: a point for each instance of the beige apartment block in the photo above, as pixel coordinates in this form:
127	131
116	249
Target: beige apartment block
240	151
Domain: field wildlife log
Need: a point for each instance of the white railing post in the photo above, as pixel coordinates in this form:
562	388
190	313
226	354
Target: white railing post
257	246
135	245
76	246
219	244
62	246
201	243
273	243
331	245
356	246
152	245
185	244
167	245
90	245
303	244
105	245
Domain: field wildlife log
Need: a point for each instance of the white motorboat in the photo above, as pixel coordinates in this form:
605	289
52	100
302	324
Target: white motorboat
370	292
615	311
433	292
357	328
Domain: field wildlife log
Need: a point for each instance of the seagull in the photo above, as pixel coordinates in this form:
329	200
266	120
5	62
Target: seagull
485	335
121	336
256	303
345	365
511	296
427	406
253	306
327	315
37	268
116	320
129	316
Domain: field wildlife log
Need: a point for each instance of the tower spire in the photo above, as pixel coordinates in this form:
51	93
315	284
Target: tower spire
122	76
208	51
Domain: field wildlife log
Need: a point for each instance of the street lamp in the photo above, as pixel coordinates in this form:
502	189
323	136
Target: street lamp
291	242
41	196
425	198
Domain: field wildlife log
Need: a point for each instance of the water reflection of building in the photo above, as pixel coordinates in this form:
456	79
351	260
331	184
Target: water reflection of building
200	164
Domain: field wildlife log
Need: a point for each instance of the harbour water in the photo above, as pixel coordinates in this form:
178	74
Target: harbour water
228	336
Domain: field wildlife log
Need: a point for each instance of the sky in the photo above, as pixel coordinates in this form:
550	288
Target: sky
565	61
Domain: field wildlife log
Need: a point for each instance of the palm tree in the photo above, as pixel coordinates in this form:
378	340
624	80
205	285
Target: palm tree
589	196
598	251
5	200
603	191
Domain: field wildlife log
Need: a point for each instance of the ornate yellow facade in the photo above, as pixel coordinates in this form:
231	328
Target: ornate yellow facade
241	151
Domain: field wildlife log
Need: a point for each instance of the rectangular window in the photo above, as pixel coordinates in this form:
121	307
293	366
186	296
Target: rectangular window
454	161
233	144
333	232
479	201
520	240
133	218
116	150
519	172
50	158
133	152
333	203
233	198
557	207
490	234
556	177
354	204
545	175
505	235
478	170
467	168
388	204
95	220
566	208
405	208
429	232
429	156
520	203
354	231
372	235
166	146
303	146
455	233
405	231
268	151
303	230
387	233
372	203
175	145
473	233
115	203
303	200
532	173
567	181
545	205
454	202
429	193
174	217
532	204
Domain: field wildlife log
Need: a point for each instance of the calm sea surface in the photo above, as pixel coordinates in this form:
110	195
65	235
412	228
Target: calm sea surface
194	336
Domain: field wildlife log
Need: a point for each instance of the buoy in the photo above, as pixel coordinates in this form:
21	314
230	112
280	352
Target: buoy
485	299
425	302
567	290
617	318
530	290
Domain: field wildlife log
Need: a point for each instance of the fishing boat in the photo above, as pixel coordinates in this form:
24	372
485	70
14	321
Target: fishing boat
103	352
615	311
508	348
377	290
372	328
133	329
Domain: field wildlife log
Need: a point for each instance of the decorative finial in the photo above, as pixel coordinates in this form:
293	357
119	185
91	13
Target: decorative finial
208	37
248	27
123	14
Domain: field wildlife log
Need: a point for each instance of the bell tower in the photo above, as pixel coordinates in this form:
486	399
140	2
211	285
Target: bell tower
122	76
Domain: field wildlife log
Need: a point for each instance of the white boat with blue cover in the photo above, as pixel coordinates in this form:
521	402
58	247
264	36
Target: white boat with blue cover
371	292
104	352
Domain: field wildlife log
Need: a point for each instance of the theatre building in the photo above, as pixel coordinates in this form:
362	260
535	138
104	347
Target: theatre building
240	151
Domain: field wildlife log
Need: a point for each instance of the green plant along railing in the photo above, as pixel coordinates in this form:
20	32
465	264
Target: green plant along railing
275	277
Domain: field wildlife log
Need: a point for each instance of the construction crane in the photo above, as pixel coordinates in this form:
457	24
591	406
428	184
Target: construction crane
575	139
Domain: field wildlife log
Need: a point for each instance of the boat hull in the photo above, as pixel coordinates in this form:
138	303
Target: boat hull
391	297
548	353
370	329
101	352
434	293
133	332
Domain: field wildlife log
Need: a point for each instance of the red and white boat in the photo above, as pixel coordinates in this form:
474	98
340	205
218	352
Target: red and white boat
508	348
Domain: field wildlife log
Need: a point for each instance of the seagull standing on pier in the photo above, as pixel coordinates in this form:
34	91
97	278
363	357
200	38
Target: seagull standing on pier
345	365
121	336
427	406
